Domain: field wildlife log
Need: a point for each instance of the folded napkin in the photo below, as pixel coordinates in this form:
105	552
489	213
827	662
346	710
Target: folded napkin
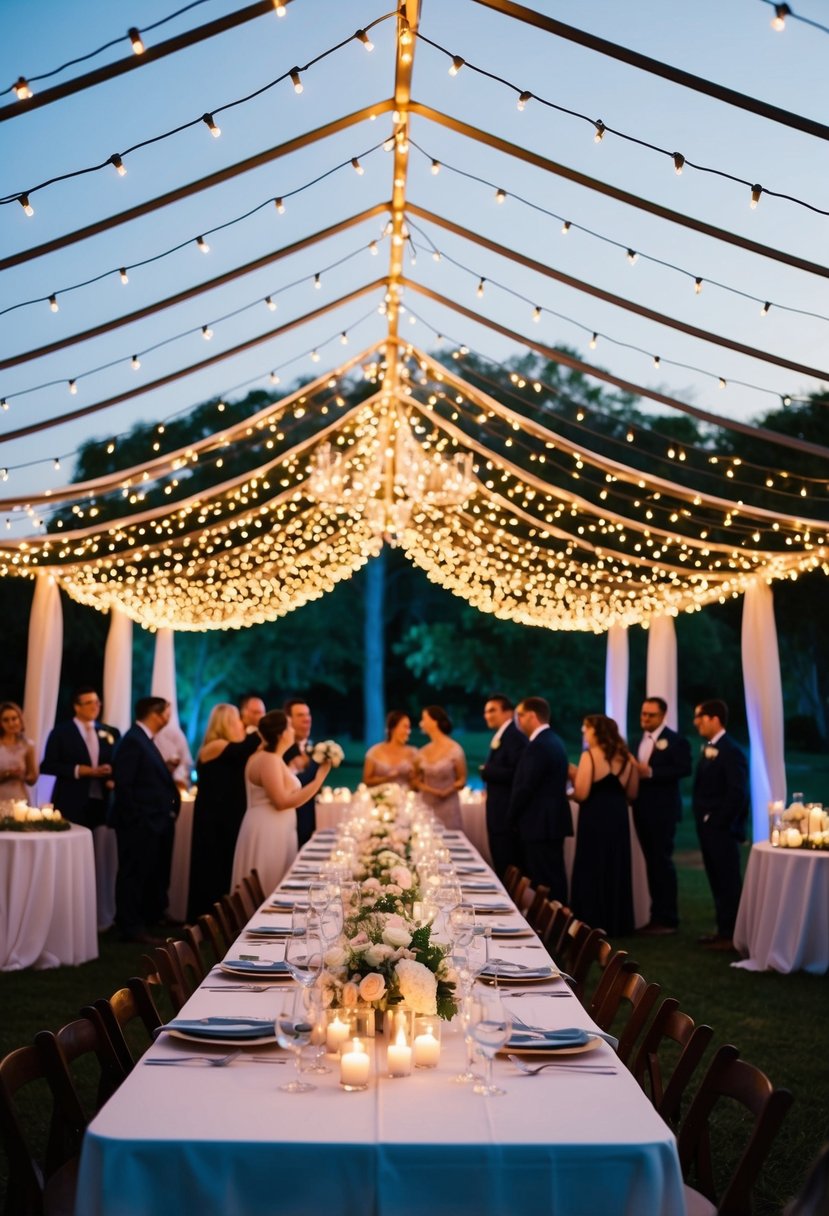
286	902
270	930
269	966
502	970
550	1040
492	907
480	886
223	1028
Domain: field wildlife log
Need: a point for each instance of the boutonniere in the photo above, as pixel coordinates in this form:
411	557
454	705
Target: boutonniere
711	753
661	744
494	745
106	736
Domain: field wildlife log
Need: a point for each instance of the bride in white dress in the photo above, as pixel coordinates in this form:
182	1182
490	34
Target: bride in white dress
267	838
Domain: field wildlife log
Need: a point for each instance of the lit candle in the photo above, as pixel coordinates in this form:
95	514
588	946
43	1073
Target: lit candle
354	1067
427	1049
336	1035
775	836
417	911
399	1056
815	818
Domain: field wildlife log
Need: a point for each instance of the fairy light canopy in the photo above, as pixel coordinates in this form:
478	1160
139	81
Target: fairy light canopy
502	488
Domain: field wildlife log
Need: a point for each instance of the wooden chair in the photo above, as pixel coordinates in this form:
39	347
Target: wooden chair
610	963
519	892
628	989
225	921
511	877
581	950
234	915
123	1012
666	1088
539	899
214	933
32	1188
203	945
253	885
554	922
243	902
178	982
729	1077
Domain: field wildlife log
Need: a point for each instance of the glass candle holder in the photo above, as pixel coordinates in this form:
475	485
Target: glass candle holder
355	1066
426	1042
399	1031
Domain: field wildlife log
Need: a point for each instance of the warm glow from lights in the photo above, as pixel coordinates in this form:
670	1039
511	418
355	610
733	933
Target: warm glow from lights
135	39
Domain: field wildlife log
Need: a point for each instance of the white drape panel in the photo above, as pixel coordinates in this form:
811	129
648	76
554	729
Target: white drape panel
764	703
164	670
117	691
43	661
662	679
616	676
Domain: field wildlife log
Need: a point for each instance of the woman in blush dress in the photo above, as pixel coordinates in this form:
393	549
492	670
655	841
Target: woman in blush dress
17	755
441	768
393	760
605	781
267	838
219	807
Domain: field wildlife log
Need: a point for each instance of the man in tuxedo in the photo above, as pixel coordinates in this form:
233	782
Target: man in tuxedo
721	803
251	709
539	808
664	757
145	807
298	758
505	751
79	755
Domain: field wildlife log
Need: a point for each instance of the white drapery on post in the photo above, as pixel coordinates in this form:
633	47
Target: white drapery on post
617	667
764	703
164	670
117	691
40	699
662	678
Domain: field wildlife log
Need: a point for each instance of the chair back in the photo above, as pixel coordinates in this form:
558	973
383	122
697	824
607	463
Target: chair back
610	962
580	951
243	903
730	1077
666	1088
536	908
234	912
511	876
518	894
214	933
253	885
123	1012
202	945
225	920
633	990
556	919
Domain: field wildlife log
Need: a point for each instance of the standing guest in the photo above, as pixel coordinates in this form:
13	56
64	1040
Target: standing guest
79	754
505	750
171	741
606	779
18	767
539	811
663	758
268	835
219	807
721	801
145	807
441	768
298	758
251	709
393	759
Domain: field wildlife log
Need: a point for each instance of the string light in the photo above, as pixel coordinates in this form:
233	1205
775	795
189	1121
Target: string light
135	363
202	244
697	286
632	256
274	379
656	360
435	168
679	163
21	89
56	463
317	282
722	382
523	99
593	341
756	191
123	276
500	195
295	80
281	8
778	21
536	314
209	122
118	165
23	199
480	288
73	387
456	65
764	311
280	205
315	356
786	399
4	405
565	227
344	338
134	36
364	38
270	303
373	248
53	303
358	168
206	332
600	130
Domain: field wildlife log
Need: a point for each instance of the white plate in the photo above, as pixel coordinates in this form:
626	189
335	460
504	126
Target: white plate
512	931
261	973
491	909
519	977
525	1050
226	1043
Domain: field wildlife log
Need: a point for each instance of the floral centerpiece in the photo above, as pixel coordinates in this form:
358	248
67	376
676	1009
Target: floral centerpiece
18	817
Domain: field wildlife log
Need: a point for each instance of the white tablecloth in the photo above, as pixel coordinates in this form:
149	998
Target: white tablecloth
219	1141
783	919
180	866
47	899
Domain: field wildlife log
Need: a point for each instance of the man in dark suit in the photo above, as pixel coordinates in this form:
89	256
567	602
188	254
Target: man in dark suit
505	750
298	758
664	757
145	807
79	755
721	803
539	807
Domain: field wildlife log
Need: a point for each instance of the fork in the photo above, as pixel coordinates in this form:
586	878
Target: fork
235	988
533	1070
215	1061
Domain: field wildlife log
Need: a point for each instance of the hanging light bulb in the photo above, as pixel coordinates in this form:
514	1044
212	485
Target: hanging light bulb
274	379
764	311
118	165
593	341
73	387
295	80
722	382
536	314
632	256
372	248
206	332
565	227
364	38
202	244
21	89
280	206
436	256
135	363
457	64
600	130
56	462
778	21
281	9
435	167
4	405
53	303
786	399
270	303
356	166
479	291
656	360
679	163
23	199
315	357
500	195
756	191
344	338
697	286
124	277
209	122
137	43
317	282
523	99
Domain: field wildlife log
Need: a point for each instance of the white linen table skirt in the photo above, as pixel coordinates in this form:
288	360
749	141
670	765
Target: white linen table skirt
179	892
783	918
226	1140
48	913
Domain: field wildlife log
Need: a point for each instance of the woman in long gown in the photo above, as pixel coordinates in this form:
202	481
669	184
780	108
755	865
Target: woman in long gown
605	781
441	768
18	767
219	807
393	759
267	838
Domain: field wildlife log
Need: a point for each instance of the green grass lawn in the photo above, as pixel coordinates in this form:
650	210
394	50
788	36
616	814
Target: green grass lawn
775	1020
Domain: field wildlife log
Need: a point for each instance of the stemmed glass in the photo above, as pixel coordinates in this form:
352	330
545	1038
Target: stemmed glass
303	949
461	925
491	1025
295	1021
465	1011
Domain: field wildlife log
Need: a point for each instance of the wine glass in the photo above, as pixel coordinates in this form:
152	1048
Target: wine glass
294	1026
461	924
465	1011
491	1025
303	949
318	894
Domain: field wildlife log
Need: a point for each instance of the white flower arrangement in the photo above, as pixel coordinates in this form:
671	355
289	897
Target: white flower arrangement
711	753
329	751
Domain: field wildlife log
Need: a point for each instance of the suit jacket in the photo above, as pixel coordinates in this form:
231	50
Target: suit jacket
65	749
305	775
498	774
539	807
145	792
721	792
669	764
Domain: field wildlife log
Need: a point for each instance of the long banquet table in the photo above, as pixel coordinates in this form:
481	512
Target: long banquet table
783	918
227	1142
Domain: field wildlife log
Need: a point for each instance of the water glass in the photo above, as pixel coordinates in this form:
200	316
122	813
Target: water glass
491	1025
294	1027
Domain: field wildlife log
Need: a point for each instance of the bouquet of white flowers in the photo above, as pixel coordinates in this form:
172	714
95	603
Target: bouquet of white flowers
328	750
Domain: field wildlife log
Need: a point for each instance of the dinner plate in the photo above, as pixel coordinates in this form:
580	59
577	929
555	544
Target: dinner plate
511	931
224	1030
268	969
524	1049
494	909
519	973
284	903
279	931
480	888
193	1038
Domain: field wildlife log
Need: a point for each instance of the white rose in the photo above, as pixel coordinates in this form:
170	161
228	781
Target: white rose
371	884
372	987
375	955
402	877
334	957
350	995
418	986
